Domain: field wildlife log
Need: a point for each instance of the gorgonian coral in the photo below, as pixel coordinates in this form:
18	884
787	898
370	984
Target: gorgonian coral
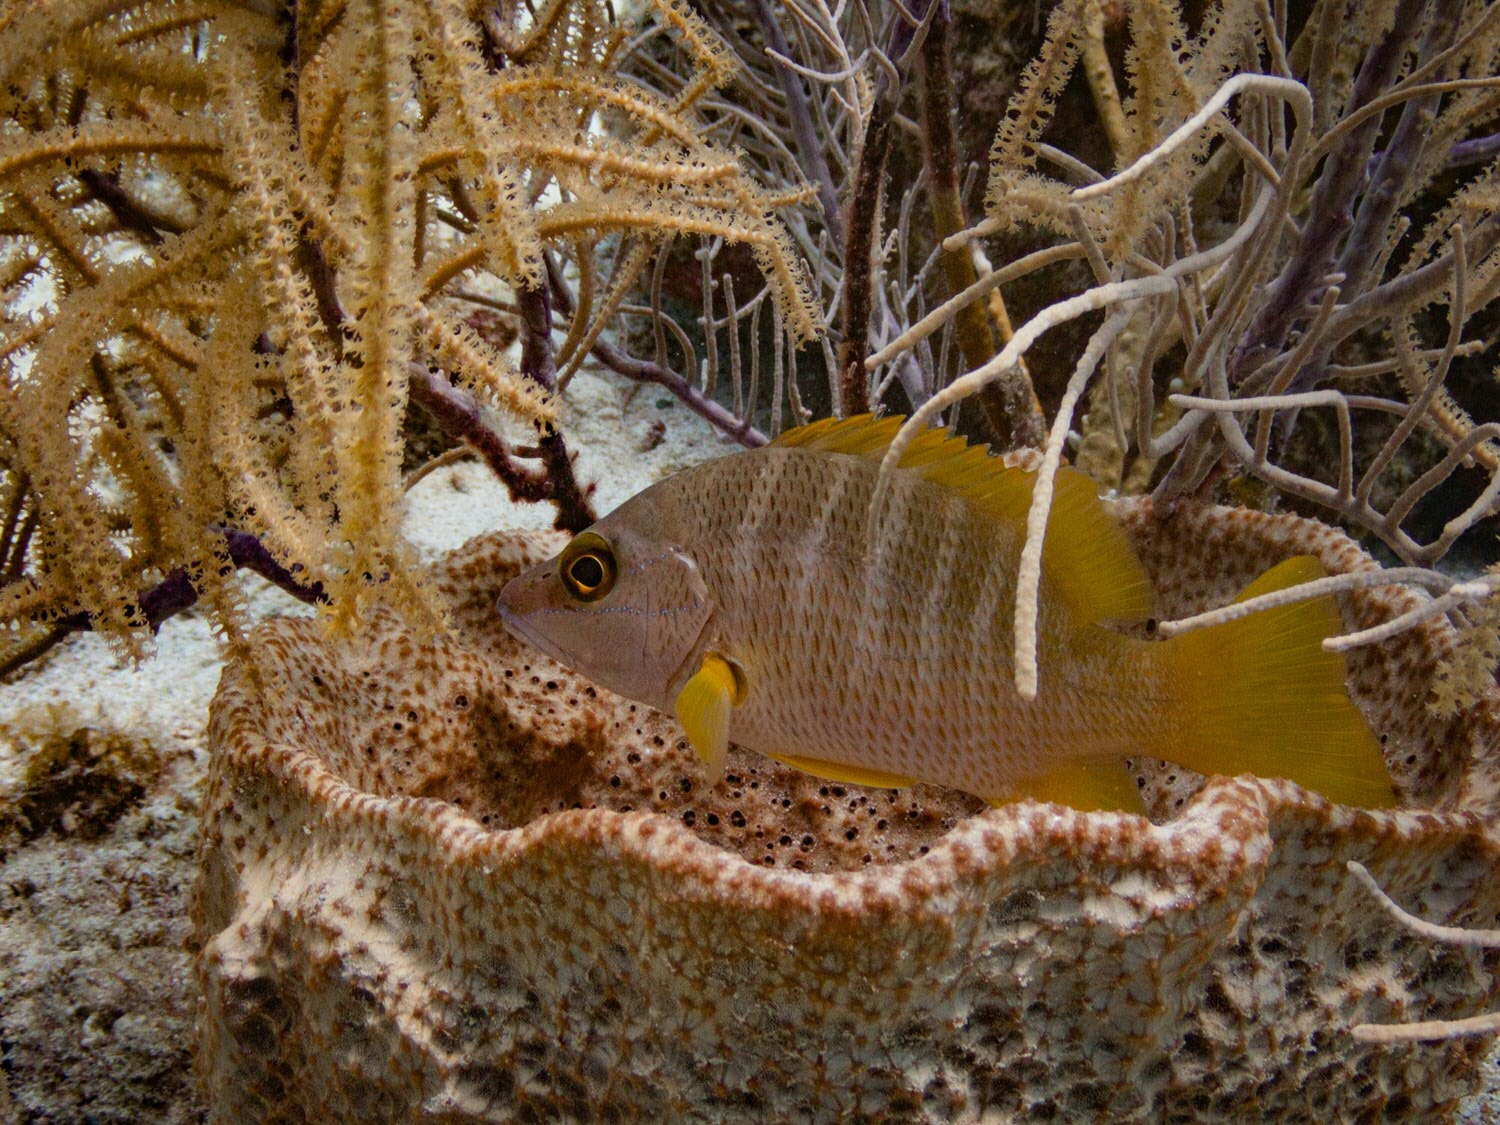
1256	259
240	239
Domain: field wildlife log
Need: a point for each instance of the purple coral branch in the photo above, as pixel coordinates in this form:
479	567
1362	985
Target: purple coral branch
105	188
173	594
458	415
1476	151
644	371
574	510
1393	170
809	148
1330	212
1389	173
859	239
178	591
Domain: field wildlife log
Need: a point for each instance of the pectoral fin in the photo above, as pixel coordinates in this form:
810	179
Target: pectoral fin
703	706
1087	786
849	775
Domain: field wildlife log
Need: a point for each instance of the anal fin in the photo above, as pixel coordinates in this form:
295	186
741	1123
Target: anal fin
848	775
1105	786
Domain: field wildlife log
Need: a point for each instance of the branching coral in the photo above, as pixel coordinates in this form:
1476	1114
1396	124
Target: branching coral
1248	256
312	203
239	241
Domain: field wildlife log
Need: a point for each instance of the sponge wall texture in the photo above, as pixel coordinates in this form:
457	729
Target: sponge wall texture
450	881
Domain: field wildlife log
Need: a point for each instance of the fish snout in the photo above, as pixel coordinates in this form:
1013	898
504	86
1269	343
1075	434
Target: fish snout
522	598
523	604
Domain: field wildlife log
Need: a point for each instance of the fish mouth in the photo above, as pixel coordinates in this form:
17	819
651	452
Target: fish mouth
518	627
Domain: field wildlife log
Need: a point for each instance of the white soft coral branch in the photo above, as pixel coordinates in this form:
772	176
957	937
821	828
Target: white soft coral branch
1122	295
1484	1024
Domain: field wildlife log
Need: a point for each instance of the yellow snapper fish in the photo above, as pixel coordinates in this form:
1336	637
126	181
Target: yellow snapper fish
743	595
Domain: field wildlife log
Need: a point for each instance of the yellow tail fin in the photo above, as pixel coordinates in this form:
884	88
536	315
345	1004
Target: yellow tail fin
1259	695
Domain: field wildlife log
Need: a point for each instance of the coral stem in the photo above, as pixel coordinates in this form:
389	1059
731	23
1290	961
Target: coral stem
574	511
1010	405
646	371
1331	207
866	194
173	594
458	415
809	148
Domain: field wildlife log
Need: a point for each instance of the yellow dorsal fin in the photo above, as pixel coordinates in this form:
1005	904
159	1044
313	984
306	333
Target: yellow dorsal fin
855	436
837	771
1086	561
1087	786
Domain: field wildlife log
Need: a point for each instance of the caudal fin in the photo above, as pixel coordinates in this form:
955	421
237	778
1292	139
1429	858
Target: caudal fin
1259	695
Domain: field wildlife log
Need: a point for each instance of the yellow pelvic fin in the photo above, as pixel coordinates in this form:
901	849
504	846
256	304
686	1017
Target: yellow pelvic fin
1259	695
1086	560
1088	786
703	706
849	775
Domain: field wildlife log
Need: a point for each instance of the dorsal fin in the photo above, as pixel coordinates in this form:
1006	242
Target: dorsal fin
1086	560
855	436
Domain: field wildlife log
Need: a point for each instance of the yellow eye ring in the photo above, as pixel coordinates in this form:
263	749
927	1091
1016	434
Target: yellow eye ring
587	567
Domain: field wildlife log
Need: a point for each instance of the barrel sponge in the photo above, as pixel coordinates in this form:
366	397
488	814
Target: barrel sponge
447	880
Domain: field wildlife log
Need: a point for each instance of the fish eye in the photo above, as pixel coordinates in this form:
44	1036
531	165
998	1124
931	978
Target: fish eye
587	572
587	567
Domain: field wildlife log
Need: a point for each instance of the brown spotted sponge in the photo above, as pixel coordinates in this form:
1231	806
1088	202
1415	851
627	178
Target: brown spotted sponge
448	880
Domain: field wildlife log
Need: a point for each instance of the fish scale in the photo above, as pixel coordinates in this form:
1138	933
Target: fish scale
785	625
903	662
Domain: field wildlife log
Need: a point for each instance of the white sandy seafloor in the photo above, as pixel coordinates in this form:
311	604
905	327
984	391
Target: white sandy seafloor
96	986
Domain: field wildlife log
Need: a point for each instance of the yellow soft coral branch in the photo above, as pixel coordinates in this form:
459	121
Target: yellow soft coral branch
1031	108
91	564
379	203
516	93
664	168
769	243
266	175
507	229
23	153
227	388
270	274
474	363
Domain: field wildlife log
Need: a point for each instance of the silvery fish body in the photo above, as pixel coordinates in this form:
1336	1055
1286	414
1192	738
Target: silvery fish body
752	586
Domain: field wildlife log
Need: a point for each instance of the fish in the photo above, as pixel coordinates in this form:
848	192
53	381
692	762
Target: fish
747	596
